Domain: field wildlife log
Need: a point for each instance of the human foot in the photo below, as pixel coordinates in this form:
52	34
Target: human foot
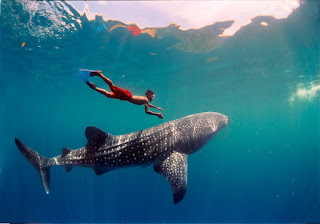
96	73
91	85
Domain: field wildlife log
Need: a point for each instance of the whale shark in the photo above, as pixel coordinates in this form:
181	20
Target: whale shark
165	146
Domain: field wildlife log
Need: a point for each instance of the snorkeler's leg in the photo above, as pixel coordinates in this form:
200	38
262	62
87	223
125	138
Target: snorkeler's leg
91	85
102	91
105	79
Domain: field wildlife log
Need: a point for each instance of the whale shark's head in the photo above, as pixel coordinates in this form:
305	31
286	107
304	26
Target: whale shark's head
213	121
194	131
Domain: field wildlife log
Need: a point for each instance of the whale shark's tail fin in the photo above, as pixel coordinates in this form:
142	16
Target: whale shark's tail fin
39	162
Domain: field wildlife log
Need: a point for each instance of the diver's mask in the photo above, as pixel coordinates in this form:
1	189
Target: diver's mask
153	96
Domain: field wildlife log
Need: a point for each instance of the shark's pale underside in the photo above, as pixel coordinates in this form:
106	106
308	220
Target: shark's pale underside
166	146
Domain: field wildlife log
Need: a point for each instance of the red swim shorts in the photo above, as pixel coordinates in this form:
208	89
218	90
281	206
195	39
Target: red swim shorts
121	94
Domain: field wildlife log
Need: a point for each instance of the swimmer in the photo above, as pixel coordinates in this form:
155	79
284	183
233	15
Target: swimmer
123	94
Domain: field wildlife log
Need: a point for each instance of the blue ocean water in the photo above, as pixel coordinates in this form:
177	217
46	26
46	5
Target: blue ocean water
263	167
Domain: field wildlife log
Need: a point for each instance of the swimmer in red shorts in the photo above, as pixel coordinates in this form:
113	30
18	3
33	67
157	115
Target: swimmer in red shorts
123	94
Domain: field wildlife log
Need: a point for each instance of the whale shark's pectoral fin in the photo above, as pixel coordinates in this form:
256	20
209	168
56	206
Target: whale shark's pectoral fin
175	170
96	138
100	171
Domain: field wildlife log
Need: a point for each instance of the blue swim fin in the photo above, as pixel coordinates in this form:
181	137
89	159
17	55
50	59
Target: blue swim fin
84	74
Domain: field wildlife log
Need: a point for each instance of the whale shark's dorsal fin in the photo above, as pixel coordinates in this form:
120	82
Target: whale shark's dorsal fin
96	138
65	151
175	170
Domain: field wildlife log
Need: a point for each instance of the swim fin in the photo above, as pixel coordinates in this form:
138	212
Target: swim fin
84	74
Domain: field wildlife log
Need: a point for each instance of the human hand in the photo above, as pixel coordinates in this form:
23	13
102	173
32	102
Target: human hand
160	115
160	108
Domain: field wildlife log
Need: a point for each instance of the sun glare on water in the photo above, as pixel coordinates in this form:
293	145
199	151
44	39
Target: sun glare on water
187	14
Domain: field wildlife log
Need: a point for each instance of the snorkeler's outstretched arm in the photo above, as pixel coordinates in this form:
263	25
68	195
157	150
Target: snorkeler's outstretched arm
159	115
158	108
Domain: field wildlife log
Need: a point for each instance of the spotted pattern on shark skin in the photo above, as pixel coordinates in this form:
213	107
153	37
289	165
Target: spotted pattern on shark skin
134	151
175	169
166	146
